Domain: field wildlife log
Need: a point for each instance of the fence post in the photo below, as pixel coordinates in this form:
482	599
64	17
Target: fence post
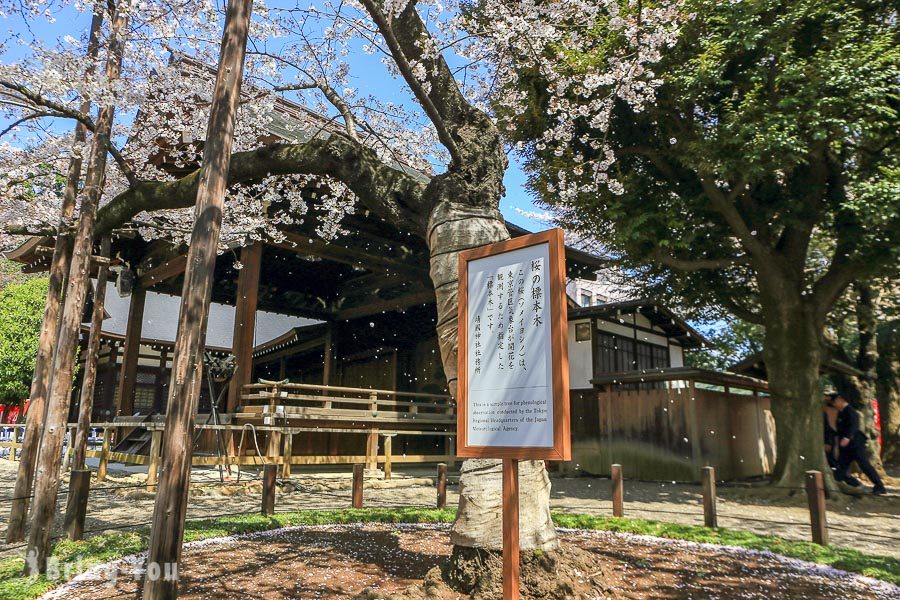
372	450
153	467
358	486
618	491
441	485
76	503
268	489
288	441
815	495
710	518
104	454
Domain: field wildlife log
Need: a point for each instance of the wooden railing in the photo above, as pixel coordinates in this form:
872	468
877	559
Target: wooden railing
277	451
298	402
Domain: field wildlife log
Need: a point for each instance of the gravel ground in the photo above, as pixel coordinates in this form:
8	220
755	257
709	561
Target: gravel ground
341	561
867	523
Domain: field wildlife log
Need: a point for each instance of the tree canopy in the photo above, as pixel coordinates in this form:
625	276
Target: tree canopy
764	178
21	315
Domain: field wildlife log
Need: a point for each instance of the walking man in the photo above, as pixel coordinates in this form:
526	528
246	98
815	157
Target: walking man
852	446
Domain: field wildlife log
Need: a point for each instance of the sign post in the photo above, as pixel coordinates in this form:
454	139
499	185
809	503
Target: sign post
513	398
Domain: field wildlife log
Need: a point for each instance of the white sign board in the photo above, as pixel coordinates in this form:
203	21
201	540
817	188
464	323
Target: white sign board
509	362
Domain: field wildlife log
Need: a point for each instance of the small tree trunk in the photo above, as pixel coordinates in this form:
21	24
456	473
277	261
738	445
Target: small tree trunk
43	367
454	227
793	356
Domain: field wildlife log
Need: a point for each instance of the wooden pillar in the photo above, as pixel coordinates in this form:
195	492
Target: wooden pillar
50	329
244	322
328	355
273	450
357	490
167	530
815	496
372	450
130	353
159	398
153	466
693	424
387	455
86	404
288	442
618	491
710	518
47	474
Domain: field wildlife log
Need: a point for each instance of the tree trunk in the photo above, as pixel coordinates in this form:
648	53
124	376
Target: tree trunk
43	367
888	389
793	356
860	390
454	227
46	485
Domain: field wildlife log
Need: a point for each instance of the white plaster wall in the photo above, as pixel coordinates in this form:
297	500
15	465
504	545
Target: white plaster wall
161	319
676	356
581	367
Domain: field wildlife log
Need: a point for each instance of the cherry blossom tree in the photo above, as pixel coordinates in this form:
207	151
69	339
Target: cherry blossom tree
432	163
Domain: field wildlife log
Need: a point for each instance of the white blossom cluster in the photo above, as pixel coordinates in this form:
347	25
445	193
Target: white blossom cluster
555	40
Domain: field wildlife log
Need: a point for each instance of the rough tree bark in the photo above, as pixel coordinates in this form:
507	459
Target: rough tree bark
170	508
47	476
860	390
888	388
59	269
793	355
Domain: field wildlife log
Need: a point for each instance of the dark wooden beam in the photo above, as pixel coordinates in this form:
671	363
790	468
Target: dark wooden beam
374	308
366	258
167	270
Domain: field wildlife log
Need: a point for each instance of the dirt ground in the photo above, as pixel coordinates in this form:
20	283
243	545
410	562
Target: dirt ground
867	523
344	561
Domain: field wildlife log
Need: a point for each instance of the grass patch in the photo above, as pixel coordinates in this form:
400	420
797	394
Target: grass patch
110	546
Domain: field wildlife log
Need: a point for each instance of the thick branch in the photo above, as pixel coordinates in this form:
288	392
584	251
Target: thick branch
724	205
392	194
681	264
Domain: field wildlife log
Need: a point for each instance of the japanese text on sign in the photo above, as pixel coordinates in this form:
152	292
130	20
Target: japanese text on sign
510	400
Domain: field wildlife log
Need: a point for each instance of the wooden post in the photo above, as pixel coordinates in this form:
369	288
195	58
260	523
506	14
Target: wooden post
710	518
358	486
441	485
104	454
387	455
815	496
618	491
510	529
244	322
372	450
130	353
167	531
43	368
268	489
86	403
288	454
47	473
153	466
76	504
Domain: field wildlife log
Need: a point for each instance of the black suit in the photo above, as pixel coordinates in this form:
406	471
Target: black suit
848	427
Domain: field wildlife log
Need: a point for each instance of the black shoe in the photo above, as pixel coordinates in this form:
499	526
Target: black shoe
879	491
